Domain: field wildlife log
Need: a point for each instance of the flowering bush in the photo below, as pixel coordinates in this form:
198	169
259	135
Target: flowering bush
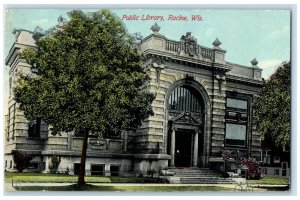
253	167
21	160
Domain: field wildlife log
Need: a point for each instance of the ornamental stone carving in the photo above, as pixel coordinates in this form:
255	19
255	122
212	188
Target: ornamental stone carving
190	43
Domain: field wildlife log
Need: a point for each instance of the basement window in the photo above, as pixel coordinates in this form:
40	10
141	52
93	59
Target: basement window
34	165
114	170
76	168
97	170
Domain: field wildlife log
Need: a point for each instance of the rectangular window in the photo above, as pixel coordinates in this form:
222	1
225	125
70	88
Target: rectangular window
114	170
236	103
76	168
276	159
34	165
265	171
235	134
97	170
34	128
267	159
236	119
276	172
284	169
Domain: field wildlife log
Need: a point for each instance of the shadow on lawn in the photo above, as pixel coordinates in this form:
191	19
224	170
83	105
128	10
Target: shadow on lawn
73	187
109	188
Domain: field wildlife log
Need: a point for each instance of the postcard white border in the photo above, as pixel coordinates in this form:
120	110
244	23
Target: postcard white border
206	4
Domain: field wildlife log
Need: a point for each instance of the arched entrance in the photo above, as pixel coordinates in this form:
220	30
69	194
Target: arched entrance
187	113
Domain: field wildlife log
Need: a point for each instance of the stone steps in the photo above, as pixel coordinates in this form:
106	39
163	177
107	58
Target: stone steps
206	180
200	176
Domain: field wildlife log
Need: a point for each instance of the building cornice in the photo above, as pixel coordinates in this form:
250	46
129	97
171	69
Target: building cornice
14	50
186	60
244	80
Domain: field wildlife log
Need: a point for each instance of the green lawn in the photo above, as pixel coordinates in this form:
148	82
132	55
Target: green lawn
265	184
119	188
270	181
61	178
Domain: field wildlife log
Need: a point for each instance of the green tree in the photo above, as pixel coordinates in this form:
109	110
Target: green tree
273	106
90	79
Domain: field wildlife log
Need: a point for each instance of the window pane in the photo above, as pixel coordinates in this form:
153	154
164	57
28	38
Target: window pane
76	168
114	170
97	170
180	99
236	103
189	100
235	131
34	127
185	102
235	134
183	99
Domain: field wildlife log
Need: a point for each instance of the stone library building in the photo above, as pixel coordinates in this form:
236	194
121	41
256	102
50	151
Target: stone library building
203	105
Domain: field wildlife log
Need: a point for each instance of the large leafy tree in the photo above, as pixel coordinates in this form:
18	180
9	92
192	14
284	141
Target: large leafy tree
90	79
273	106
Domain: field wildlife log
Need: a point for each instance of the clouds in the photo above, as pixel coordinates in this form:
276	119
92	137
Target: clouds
269	67
265	64
279	32
210	31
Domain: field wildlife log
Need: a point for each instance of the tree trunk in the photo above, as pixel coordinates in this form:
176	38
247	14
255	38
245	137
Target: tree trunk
83	159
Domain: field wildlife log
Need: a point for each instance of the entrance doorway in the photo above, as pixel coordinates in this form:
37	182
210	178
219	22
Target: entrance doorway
183	148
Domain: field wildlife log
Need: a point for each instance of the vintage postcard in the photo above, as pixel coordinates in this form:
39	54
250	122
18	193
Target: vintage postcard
147	100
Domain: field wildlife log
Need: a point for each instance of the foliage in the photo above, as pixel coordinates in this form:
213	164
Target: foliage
21	160
273	106
91	77
54	162
254	171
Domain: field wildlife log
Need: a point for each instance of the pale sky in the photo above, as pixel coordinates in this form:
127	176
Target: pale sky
245	34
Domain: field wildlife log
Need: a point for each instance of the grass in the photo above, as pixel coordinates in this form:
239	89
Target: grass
266	183
61	178
270	181
127	188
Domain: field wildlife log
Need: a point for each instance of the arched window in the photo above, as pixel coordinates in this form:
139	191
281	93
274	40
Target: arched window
185	99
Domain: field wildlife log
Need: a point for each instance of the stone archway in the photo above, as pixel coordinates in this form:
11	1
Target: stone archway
189	125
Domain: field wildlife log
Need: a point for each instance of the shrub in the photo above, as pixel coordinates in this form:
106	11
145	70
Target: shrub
253	167
21	160
54	163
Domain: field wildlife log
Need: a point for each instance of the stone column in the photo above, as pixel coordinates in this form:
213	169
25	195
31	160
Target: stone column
195	156
173	149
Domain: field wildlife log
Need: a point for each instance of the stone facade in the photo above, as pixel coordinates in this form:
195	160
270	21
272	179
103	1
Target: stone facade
203	105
